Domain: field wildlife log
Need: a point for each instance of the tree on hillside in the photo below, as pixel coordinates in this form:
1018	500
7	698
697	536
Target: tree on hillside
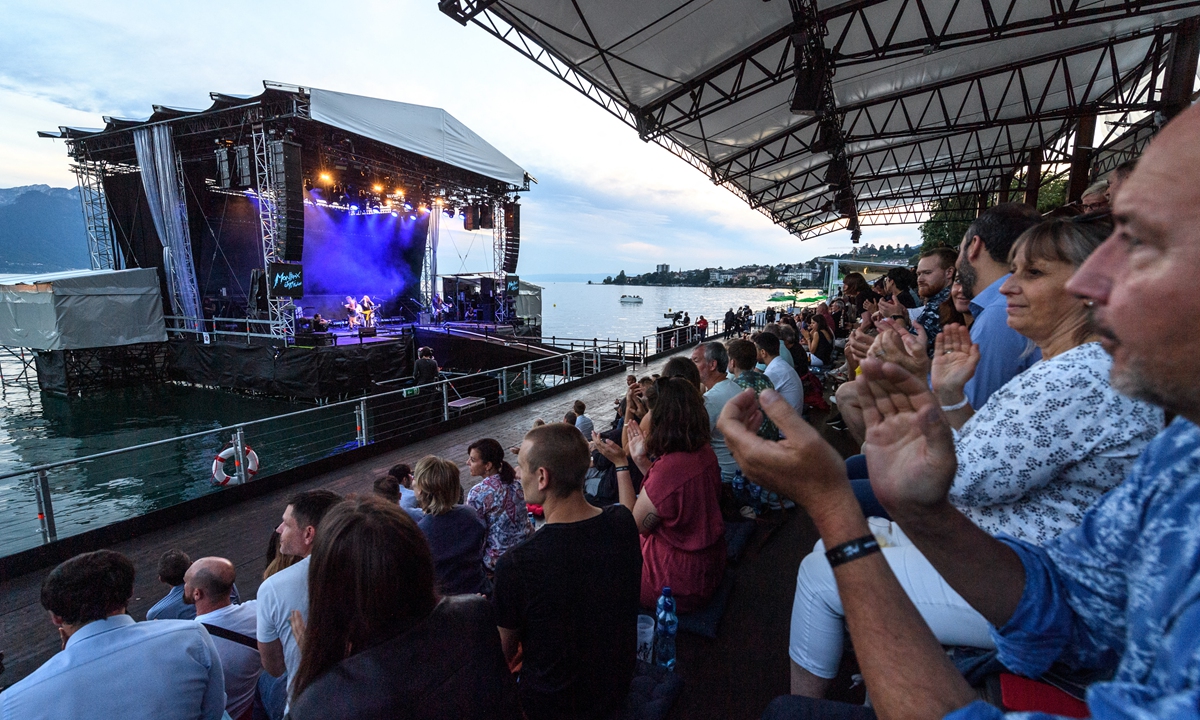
620	279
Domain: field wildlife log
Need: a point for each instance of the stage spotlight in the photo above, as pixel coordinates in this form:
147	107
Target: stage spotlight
353	208
423	209
395	214
326	177
400	192
377	188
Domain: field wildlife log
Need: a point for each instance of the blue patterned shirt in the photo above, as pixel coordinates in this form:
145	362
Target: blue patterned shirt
1120	592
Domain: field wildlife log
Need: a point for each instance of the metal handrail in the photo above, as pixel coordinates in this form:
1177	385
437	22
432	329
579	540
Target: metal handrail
297	413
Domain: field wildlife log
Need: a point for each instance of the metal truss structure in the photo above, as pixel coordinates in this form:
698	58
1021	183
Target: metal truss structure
926	99
102	247
269	188
429	271
498	240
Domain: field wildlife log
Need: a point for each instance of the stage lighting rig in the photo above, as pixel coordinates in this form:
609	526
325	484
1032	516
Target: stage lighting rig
813	91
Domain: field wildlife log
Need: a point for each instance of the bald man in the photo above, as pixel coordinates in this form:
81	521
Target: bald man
207	584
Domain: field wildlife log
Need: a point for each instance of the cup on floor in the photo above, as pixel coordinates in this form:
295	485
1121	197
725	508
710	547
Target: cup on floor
645	638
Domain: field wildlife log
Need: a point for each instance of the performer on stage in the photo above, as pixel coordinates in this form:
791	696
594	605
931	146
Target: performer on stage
319	324
352	312
368	310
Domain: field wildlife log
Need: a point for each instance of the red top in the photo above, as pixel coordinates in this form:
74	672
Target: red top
687	549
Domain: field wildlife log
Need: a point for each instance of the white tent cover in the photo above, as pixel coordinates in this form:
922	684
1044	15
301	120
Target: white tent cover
427	131
81	309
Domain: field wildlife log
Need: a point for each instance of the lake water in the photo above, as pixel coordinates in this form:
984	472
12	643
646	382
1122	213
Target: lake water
36	428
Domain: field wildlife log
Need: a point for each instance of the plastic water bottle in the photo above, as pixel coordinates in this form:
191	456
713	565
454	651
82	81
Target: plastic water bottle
739	484
665	628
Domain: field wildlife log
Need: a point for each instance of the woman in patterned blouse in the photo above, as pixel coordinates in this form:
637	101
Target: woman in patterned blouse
498	499
1031	461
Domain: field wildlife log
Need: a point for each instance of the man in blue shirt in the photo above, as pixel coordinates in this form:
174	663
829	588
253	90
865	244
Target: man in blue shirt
1120	594
111	666
982	269
171	568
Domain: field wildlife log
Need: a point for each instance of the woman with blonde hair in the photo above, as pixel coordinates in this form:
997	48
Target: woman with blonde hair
455	531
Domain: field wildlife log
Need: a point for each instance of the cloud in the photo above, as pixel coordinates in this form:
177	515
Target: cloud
606	200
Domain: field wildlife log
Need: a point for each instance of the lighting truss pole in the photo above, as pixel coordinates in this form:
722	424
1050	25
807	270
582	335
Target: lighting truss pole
269	188
498	256
101	248
429	264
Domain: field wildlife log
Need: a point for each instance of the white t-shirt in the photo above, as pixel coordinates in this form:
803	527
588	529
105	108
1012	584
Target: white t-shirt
240	663
787	382
278	596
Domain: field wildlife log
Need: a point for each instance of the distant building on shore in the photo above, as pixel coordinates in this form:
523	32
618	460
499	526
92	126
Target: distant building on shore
664	268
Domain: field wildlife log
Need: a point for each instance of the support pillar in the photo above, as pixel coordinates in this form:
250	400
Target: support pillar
1005	186
1033	178
1081	158
1181	67
982	204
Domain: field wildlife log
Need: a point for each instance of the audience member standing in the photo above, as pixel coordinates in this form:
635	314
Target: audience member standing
568	596
983	268
111	666
378	643
498	499
207	586
287	590
171	567
455	532
426	369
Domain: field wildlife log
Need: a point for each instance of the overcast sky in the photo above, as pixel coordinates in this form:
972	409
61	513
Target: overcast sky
605	201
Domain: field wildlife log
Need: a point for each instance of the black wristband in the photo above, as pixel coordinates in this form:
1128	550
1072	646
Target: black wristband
852	550
623	467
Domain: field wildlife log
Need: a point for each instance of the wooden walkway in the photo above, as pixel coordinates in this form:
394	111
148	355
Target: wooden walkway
731	677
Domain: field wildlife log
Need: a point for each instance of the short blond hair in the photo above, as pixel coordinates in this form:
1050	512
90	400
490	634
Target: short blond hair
436	482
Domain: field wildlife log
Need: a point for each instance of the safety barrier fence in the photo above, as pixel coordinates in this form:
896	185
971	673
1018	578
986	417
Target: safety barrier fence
56	500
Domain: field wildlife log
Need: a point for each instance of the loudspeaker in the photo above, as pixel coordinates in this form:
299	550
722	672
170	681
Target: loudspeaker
512	236
487	220
470	217
367	332
285	159
244	176
223	167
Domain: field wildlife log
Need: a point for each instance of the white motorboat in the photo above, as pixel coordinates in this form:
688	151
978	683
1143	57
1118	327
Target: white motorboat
631	300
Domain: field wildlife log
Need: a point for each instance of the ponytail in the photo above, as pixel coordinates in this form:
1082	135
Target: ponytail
507	474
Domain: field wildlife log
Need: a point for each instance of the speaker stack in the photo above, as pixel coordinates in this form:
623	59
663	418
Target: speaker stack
285	159
512	236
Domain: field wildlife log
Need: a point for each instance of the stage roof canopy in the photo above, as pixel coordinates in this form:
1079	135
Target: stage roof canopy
824	114
426	131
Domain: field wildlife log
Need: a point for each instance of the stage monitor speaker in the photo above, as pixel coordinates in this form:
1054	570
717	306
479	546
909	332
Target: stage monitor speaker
223	167
245	178
487	289
285	161
487	220
512	236
367	332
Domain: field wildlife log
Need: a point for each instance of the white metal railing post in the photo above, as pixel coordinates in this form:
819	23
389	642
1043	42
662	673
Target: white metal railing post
45	508
445	401
239	459
504	385
360	422
529	377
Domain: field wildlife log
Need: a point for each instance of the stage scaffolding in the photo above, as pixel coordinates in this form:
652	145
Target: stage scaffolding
268	160
102	250
429	269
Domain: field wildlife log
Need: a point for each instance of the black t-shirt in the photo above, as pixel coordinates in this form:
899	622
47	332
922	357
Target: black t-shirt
572	591
425	371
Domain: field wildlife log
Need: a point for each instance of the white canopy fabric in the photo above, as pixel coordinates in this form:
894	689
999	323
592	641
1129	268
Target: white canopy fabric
936	98
427	131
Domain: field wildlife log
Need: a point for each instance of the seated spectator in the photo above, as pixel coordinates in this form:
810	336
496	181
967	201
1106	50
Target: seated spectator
901	284
784	353
570	417
277	560
1118	176
858	293
819	339
783	377
378	643
111	666
935	272
682	367
566	599
455	532
789	341
1095	197
962	304
1115	596
1042	450
207	586
498	500
388	488
711	360
582	421
408	498
677	511
287	590
743	355
983	267
171	568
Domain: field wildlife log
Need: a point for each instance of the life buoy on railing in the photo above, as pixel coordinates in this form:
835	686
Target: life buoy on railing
227	454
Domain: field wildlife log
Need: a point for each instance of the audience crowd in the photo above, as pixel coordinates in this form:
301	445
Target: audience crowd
1017	500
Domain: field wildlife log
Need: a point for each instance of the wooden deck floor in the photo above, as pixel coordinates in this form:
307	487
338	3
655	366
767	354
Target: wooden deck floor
734	676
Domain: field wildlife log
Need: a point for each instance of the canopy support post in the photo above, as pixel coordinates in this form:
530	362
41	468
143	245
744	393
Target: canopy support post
1081	157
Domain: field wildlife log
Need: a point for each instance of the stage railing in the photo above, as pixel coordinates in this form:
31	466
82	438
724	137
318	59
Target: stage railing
60	499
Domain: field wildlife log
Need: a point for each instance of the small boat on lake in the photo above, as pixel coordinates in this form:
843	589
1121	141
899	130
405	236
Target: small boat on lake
781	296
631	300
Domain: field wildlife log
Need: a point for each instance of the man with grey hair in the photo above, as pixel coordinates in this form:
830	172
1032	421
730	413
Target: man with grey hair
1095	198
712	360
207	585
